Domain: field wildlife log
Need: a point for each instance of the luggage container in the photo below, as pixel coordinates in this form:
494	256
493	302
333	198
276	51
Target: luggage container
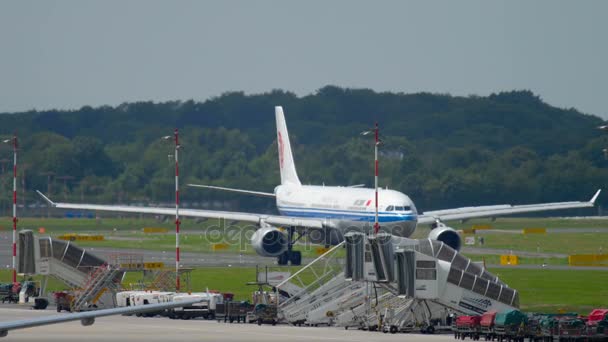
233	311
265	313
467	326
510	325
533	328
487	325
597	321
572	328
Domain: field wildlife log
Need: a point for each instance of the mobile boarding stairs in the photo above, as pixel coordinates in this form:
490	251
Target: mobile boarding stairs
386	281
93	280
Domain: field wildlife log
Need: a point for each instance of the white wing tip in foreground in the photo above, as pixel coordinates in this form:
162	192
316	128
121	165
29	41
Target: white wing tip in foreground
597	193
48	200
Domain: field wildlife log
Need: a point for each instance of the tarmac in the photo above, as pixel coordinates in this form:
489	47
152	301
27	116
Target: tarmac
124	328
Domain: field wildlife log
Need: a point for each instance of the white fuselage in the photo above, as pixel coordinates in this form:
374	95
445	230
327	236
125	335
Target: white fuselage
349	208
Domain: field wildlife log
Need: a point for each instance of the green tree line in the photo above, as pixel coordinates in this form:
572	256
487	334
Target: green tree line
442	150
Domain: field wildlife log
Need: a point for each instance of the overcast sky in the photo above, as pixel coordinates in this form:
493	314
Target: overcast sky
66	54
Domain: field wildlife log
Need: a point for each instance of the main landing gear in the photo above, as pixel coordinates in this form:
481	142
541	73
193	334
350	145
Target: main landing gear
295	257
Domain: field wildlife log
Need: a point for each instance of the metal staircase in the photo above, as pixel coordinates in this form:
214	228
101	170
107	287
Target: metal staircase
99	280
320	282
163	280
94	280
391	283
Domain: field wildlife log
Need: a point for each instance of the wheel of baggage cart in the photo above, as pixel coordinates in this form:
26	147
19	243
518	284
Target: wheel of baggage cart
274	322
430	330
393	329
260	321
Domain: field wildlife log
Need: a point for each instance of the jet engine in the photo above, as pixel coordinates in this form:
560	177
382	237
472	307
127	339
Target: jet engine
446	234
269	242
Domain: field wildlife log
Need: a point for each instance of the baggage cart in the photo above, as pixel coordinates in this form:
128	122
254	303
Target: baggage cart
486	325
264	313
467	326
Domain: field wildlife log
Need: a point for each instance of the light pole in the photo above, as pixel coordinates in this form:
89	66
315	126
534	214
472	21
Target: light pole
376	132
15	144
376	224
177	222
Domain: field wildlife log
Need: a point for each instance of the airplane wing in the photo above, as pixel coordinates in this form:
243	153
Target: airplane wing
88	318
241	191
499	210
258	219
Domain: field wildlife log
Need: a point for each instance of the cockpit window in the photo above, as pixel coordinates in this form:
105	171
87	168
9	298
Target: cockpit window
403	208
390	208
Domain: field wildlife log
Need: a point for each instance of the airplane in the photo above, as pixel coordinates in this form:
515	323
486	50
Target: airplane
326	213
87	318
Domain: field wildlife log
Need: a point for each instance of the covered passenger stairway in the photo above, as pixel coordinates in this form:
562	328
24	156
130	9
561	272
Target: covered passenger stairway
93	279
429	270
384	281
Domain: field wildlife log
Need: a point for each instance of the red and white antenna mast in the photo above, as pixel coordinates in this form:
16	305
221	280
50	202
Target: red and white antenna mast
177	222
15	147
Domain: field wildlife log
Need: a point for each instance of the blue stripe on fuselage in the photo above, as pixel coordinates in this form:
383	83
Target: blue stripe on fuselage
345	215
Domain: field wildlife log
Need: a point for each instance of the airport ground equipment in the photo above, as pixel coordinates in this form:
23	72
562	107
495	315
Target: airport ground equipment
95	279
265	314
233	311
63	300
430	270
597	323
572	328
511	325
9	292
206	307
141	297
317	284
417	316
104	278
468	326
487	325
29	290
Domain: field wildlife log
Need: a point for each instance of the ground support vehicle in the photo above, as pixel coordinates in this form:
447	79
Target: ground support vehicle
510	325
487	325
205	309
265	313
467	326
63	300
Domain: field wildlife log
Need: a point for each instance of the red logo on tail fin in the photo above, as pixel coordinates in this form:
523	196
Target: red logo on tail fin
281	147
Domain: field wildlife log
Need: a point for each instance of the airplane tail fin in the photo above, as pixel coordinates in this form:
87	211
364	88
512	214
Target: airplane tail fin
286	164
